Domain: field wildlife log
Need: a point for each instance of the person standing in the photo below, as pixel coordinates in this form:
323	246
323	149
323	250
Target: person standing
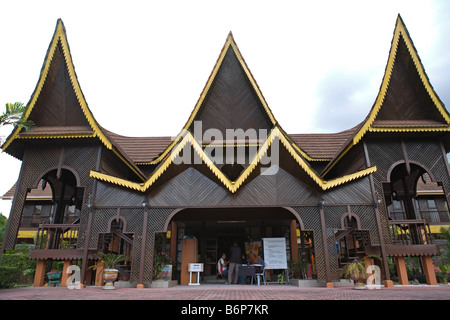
235	262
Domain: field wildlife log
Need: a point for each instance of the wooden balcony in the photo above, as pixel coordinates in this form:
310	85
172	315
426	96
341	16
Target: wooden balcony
59	242
411	238
410	232
57	236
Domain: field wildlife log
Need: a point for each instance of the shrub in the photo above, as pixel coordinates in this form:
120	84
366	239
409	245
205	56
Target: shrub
20	262
9	276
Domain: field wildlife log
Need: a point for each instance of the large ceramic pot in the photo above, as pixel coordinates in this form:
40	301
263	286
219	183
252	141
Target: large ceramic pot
110	275
359	285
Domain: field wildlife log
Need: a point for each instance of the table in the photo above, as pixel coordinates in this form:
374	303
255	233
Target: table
247	271
250	270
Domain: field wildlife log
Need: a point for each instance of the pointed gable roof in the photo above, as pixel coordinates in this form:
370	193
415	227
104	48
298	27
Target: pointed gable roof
229	63
232	81
57	105
229	78
406	101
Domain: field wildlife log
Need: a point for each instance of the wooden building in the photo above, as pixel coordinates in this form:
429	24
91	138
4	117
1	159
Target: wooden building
333	197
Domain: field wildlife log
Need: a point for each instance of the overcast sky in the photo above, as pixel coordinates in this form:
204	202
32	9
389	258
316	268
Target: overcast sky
143	64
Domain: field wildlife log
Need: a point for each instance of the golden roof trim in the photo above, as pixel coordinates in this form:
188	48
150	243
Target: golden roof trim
228	43
232	186
60	36
57	136
399	32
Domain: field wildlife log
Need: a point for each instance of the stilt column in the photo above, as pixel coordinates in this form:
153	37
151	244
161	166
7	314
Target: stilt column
65	275
40	273
428	269
401	270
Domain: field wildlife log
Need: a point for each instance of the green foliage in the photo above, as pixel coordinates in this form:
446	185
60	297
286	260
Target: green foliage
9	276
3	222
14	115
297	268
161	258
357	270
280	278
445	256
108	260
18	262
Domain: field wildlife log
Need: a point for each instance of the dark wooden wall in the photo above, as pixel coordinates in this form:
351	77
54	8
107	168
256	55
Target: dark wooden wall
41	158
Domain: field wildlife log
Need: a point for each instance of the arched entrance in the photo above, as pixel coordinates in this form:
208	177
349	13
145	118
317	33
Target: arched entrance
67	195
410	212
216	228
59	225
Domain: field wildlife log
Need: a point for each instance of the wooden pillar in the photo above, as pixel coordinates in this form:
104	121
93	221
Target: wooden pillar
189	252
401	270
40	273
428	269
294	247
99	275
173	242
140	285
329	284
65	275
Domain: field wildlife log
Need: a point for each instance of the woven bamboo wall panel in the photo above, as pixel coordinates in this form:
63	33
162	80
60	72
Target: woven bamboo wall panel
429	153
356	192
383	153
40	160
57	104
109	195
192	188
231	101
311	220
406	97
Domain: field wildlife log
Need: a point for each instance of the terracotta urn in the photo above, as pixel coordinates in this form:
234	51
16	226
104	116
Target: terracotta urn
110	275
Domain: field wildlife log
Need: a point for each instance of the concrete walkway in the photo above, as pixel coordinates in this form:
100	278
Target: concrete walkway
228	293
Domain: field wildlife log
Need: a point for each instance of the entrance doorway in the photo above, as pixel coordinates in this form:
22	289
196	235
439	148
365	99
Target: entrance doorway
217	228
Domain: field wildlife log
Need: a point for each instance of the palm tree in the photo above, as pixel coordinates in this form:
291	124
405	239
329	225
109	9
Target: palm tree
14	115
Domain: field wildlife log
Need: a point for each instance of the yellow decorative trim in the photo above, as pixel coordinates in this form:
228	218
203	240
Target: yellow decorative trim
350	177
437	228
408	129
26	234
57	136
115	180
229	42
60	36
252	80
400	31
425	193
232	186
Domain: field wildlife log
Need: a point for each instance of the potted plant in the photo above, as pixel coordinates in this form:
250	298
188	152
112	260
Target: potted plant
357	271
108	261
161	260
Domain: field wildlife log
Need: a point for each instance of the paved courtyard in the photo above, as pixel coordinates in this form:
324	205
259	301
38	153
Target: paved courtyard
225	302
229	293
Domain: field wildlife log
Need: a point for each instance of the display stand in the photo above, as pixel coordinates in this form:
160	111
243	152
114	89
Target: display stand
195	267
275	256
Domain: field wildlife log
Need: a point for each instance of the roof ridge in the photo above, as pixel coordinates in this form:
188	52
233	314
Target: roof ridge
400	32
60	36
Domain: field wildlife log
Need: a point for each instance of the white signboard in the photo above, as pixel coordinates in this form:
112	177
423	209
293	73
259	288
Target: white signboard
195	267
275	253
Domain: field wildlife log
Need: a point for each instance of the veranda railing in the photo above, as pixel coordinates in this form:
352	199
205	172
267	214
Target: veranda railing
408	232
57	236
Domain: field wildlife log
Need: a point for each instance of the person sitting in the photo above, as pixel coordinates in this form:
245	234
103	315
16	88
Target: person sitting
222	268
